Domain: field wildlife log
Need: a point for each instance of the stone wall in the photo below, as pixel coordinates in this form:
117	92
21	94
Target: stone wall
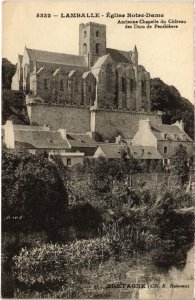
79	119
76	119
110	123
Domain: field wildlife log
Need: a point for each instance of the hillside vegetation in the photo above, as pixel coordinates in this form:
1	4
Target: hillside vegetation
167	99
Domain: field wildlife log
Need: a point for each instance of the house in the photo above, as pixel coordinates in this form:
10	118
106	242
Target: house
40	139
164	138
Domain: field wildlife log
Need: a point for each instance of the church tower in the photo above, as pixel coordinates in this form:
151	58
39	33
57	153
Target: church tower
92	41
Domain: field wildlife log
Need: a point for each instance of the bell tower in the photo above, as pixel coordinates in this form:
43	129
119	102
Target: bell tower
92	41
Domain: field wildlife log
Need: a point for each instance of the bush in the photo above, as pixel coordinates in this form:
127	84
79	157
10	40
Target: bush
54	264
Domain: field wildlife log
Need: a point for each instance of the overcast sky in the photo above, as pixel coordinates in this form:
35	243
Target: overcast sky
165	53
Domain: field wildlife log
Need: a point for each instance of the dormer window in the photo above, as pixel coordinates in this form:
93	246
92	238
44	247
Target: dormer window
50	141
81	141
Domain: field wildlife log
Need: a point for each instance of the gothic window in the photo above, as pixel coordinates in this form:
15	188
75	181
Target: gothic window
85	34
76	86
84	48
123	85
97	33
69	85
89	88
143	88
108	77
61	85
132	85
45	84
97	48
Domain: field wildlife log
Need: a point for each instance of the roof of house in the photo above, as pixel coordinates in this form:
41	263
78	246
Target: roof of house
170	130
57	58
145	152
27	127
119	55
40	139
81	140
111	150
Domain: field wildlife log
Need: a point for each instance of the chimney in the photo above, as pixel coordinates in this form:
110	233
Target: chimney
9	135
118	139
63	133
144	125
45	127
179	124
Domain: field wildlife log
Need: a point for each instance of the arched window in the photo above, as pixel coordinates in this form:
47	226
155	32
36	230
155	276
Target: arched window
85	34
108	77
76	86
61	85
132	85
97	33
143	88
84	48
89	88
123	85
45	84
97	48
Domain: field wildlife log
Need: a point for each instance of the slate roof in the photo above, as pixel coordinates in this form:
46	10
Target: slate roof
145	152
40	139
81	140
111	150
56	58
119	55
170	130
27	127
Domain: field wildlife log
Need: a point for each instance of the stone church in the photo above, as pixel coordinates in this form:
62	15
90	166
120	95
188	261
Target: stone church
99	77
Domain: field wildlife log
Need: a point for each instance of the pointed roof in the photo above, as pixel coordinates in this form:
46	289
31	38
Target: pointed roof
119	55
57	58
100	61
135	49
71	73
40	70
56	71
85	74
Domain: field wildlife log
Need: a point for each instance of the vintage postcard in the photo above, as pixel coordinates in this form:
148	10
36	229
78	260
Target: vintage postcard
97	150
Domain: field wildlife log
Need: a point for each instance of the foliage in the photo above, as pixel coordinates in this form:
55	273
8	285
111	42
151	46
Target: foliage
180	164
59	264
8	71
33	193
168	99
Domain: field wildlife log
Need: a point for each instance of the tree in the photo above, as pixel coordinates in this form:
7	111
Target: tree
33	193
8	71
180	166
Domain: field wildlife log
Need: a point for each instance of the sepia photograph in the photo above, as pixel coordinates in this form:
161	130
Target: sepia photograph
97	165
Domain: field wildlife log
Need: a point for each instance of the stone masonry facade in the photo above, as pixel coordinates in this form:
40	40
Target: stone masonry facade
99	77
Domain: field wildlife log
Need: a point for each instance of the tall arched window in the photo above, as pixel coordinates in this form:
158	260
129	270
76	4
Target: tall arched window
108	77
45	84
61	85
85	34
97	48
84	48
97	33
132	85
123	85
143	88
76	86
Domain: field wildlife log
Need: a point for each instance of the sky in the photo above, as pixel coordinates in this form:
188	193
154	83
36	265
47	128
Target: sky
165	53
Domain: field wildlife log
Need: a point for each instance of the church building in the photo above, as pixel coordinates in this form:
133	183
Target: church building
99	77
